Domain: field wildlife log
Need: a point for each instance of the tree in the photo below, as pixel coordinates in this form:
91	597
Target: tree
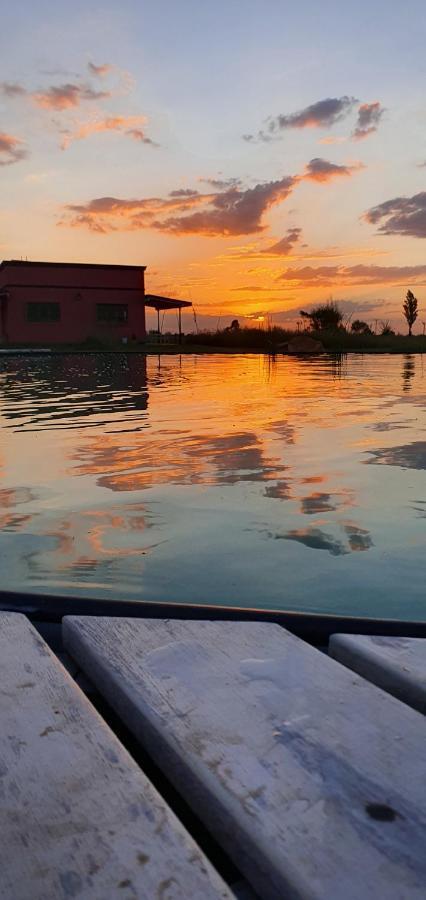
386	329
410	310
360	327
324	317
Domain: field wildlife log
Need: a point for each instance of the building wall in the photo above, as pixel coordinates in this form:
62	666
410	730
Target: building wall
78	290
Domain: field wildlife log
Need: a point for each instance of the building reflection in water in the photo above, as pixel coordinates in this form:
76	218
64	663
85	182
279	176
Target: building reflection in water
67	391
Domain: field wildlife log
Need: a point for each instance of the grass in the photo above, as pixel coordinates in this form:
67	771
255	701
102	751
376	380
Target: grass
253	340
340	341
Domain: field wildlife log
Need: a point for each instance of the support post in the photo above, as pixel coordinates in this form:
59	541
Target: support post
180	324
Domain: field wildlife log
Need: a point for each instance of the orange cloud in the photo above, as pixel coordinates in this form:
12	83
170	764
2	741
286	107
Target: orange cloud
233	211
328	276
322	114
322	170
253	251
369	116
106	214
11	149
332	140
127	124
67	96
138	135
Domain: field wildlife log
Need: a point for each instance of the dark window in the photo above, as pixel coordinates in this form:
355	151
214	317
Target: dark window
43	312
112	312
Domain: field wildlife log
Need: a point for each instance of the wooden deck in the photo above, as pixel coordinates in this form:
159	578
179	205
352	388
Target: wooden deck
310	777
396	664
78	818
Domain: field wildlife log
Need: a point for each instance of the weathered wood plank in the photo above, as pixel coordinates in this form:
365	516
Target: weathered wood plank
78	818
308	775
396	664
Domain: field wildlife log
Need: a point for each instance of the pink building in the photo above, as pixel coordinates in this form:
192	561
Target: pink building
48	303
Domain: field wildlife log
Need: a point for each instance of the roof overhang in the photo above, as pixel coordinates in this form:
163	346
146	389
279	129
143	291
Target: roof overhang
157	302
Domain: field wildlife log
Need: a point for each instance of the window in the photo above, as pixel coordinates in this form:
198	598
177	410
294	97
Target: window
43	312
114	313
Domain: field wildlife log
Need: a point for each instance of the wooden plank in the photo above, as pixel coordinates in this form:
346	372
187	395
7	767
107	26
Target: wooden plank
311	778
78	818
396	664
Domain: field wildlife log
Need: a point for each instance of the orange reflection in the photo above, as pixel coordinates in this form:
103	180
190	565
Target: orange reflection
91	539
10	498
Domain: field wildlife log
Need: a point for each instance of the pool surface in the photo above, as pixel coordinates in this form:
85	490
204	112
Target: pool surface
229	479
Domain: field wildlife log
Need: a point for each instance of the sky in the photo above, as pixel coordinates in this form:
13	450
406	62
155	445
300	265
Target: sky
257	157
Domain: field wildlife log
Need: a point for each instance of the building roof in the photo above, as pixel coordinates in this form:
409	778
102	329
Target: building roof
30	263
157	302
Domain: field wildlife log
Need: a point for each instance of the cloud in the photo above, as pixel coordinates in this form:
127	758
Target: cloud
221	183
332	140
321	170
12	89
255	251
184	192
99	71
402	215
67	96
286	244
11	149
369	116
322	114
138	135
127	124
107	214
327	276
234	211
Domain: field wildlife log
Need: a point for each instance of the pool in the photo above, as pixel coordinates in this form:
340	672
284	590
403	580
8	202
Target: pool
246	480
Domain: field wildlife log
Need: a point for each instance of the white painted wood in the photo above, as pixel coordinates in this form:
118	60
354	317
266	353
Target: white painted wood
287	756
78	818
396	664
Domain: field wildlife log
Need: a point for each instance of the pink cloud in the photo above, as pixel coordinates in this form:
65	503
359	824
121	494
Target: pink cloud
11	149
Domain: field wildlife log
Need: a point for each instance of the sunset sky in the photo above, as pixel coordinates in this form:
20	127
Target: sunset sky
257	157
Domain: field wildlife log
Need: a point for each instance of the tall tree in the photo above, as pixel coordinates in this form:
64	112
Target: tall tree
410	310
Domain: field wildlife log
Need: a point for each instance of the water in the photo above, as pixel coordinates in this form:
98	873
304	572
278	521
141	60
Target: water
293	483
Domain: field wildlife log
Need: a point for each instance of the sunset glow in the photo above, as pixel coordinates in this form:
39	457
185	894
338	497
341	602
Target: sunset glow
147	135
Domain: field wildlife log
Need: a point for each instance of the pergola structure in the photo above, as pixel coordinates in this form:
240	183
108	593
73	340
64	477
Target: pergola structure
164	303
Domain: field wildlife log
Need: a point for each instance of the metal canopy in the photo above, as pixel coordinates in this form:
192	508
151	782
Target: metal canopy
164	303
158	302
